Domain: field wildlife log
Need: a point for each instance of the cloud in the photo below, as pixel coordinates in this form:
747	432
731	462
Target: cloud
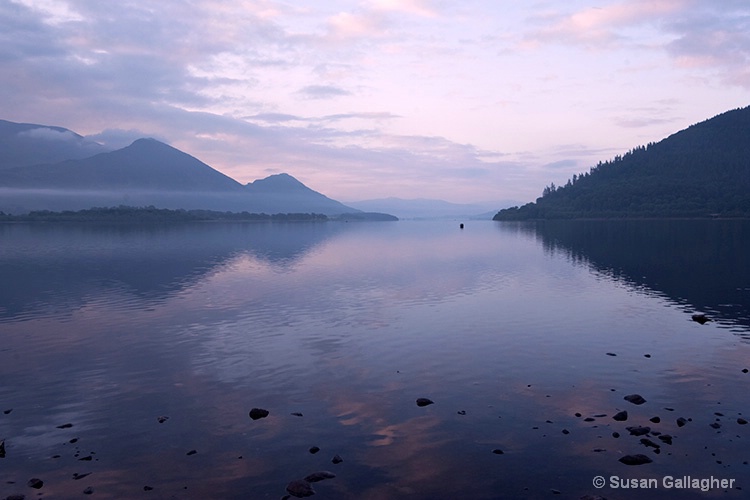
322	92
50	134
714	35
274	117
602	25
695	34
114	138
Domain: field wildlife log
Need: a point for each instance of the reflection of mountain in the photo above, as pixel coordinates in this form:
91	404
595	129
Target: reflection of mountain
43	266
700	263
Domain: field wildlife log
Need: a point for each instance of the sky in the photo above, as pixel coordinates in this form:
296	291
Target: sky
471	101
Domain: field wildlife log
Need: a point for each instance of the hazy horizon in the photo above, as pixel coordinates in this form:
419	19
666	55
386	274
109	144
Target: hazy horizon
410	99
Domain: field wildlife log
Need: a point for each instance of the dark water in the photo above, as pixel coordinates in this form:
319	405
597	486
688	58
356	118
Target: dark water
506	327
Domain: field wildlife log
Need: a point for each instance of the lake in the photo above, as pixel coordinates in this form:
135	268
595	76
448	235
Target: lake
131	357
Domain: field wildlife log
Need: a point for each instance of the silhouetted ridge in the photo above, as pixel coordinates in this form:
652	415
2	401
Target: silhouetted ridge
24	144
145	164
277	182
701	171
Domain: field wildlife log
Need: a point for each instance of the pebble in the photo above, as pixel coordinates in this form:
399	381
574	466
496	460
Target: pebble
300	488
257	413
88	491
636	399
424	402
638	430
647	442
337	459
35	483
162	419
621	416
297	414
319	476
191	452
665	438
65	426
681	422
655	420
635	459
314	450
741	421
498	451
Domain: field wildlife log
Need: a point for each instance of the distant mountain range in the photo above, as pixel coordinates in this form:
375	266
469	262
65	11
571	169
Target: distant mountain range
702	171
422	208
53	168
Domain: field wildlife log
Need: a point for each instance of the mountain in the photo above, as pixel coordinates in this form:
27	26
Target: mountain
422	208
145	164
282	190
147	172
701	171
23	144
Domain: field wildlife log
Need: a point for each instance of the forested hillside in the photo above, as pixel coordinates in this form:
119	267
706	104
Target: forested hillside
701	171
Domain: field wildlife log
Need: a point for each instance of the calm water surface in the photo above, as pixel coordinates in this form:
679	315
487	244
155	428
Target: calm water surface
526	337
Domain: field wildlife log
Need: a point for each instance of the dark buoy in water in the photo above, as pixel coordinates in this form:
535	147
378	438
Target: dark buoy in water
461	226
700	318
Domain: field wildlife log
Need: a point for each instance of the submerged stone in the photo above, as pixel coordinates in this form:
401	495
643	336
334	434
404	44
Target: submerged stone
635	459
636	399
681	422
665	438
35	483
319	476
647	442
337	459
300	488
620	416
424	402
638	430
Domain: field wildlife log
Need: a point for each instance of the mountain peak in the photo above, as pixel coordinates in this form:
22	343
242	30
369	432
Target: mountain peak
277	182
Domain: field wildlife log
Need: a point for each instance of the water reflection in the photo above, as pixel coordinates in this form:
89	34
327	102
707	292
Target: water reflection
702	264
347	325
56	266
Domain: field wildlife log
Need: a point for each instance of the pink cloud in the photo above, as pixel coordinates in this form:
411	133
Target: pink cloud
602	24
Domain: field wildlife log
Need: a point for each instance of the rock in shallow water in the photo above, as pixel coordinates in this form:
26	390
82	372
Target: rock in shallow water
620	416
35	483
635	459
638	430
424	402
636	399
257	413
319	476
300	488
